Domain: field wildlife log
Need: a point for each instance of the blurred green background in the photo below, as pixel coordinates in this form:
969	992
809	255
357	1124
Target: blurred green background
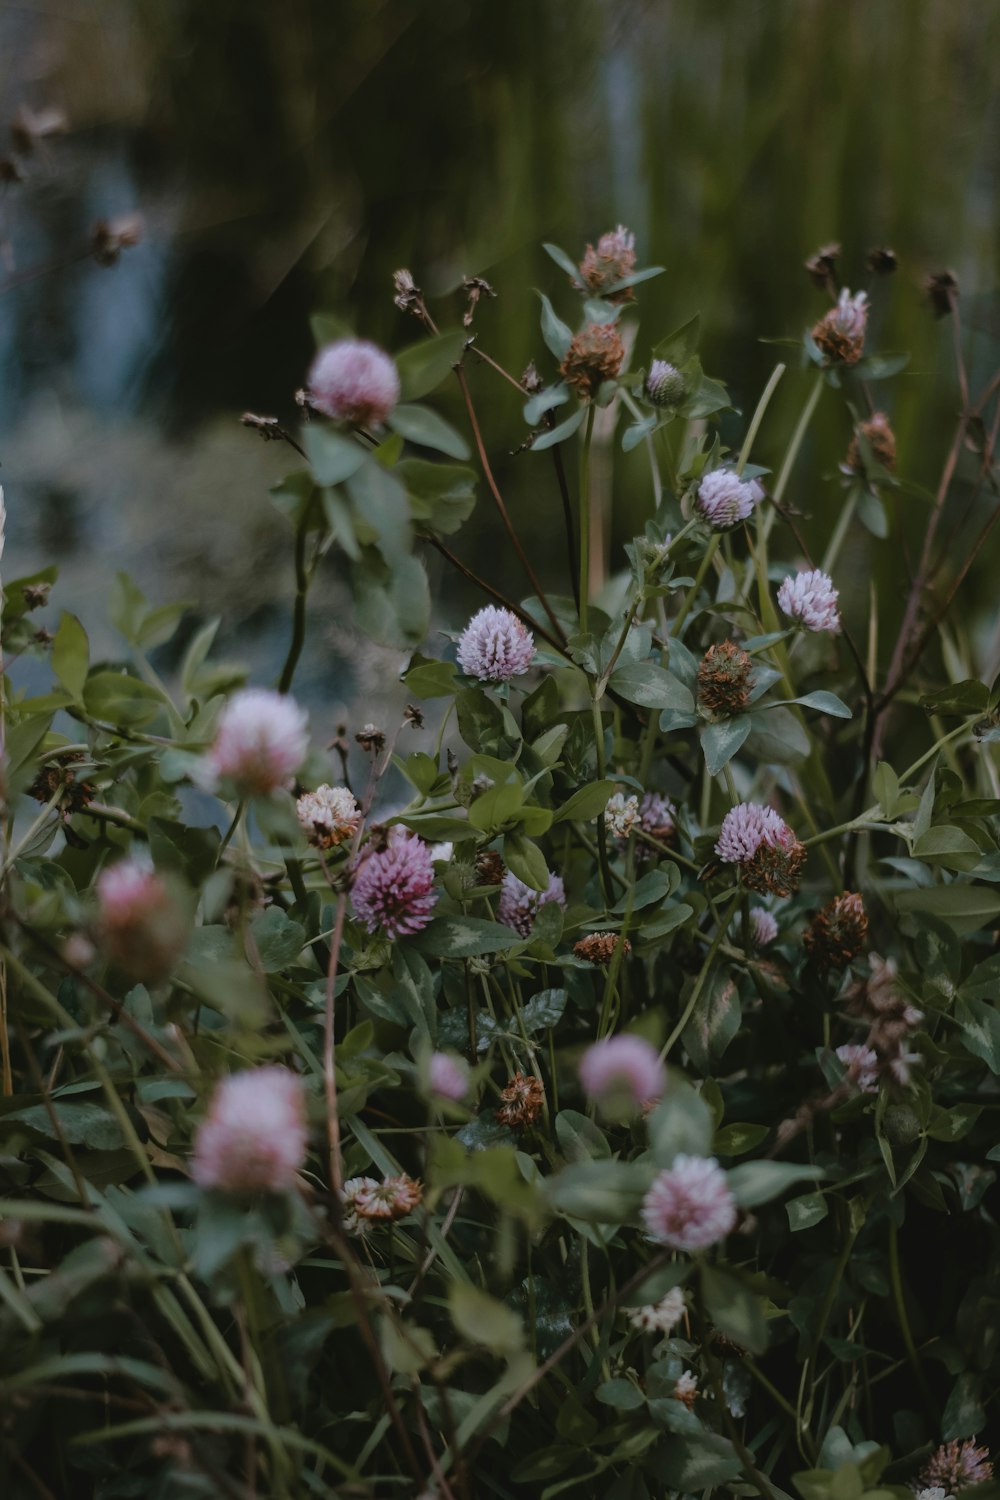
287	158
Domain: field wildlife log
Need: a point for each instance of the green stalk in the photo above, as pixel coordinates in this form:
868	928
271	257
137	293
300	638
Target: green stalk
699	985
585	518
840	532
758	416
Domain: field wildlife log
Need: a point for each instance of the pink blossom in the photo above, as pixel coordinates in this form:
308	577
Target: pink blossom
260	743
724	499
763	927
689	1206
394	887
448	1076
519	904
850	317
623	1073
495	646
861	1066
811	599
354	381
664	384
746	827
128	893
254	1136
141	926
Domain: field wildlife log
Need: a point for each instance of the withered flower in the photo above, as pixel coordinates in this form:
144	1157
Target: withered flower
598	948
837	934
881	439
595	355
522	1102
724	679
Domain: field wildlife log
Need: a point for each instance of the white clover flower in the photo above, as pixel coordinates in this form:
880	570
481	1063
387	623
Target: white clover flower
724	499
620	815
659	1317
811	599
329	815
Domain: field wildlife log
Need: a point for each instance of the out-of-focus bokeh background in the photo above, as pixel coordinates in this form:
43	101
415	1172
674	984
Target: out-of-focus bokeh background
287	158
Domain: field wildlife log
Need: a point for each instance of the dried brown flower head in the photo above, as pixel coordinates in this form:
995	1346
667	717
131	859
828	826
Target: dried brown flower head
269	428
840	333
490	868
598	948
111	236
531	381
837	934
595	355
942	292
882	260
881	439
409	297
611	261
724	679
823	264
774	870
36	594
57	779
474	288
392	1198
370	737
522	1101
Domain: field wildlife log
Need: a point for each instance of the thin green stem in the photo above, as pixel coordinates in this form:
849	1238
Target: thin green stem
699	983
585	517
840	531
899	1301
758	416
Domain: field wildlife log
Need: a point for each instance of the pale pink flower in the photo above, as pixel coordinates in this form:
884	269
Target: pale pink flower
623	1073
495	646
621	815
254	1136
900	1065
128	892
448	1076
518	905
392	1198
353	381
260	743
349	1193
956	1465
689	1206
746	827
861	1066
763	927
140	925
659	1317
724	499
394	887
329	815
811	600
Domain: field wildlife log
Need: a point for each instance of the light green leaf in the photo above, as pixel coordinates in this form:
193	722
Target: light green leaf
481	1319
587	803
734	1309
555	332
720	742
71	655
650	686
755	1182
421	425
424	365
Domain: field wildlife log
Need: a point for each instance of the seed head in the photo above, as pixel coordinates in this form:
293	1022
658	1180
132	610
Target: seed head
881	440
724	675
942	292
769	855
522	1102
598	948
595	355
381	1202
840	333
490	868
837	934
823	265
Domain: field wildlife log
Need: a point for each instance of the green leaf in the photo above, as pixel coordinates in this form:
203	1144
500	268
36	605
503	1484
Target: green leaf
442	496
562	260
599	1192
960	698
681	1124
872	513
392	604
556	334
825	703
679	346
980	1027
71	656
481	1319
622	1394
964	1413
806	1211
756	1182
333	456
714	1022
381	511
543	1010
880	366
885	783
948	846
278	939
545	400
82	1123
737	1139
693	1464
651	686
526	860
426	678
559	433
580	1139
421	425
118	698
734	1309
464	937
777	736
720	742
407	1349
424	365
586	804
965	907
496	807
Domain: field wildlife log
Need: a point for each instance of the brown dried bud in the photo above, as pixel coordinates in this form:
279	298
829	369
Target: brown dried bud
43	637
823	264
942	291
881	440
392	1198
36	594
882	261
531	381
724	674
598	948
413	716
111	236
371	738
840	333
837	934
610	262
269	428
775	870
490	868
474	287
522	1101
58	779
409	297
10	172
595	355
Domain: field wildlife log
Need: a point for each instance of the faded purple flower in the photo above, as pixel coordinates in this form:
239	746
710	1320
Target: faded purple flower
254	1136
495	646
141	927
623	1073
447	1076
260	742
393	887
353	381
811	599
763	927
664	384
861	1066
956	1465
519	904
724	499
689	1206
329	815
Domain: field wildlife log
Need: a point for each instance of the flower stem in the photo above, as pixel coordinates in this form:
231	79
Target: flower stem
699	984
585	518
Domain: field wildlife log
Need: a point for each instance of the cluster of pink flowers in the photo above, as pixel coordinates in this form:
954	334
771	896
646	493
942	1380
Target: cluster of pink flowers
365	1201
393	888
810	599
623	1074
254	1136
861	1065
689	1206
261	741
353	381
495	646
724	499
518	905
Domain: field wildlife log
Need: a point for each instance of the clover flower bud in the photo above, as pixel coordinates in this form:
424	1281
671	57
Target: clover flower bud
393	890
759	840
689	1206
495	646
353	381
596	354
723	499
724	675
881	440
823	264
686	1389
664	384
519	904
254	1136
611	261
260	742
623	1074
598	948
329	815
811	600
837	934
840	333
